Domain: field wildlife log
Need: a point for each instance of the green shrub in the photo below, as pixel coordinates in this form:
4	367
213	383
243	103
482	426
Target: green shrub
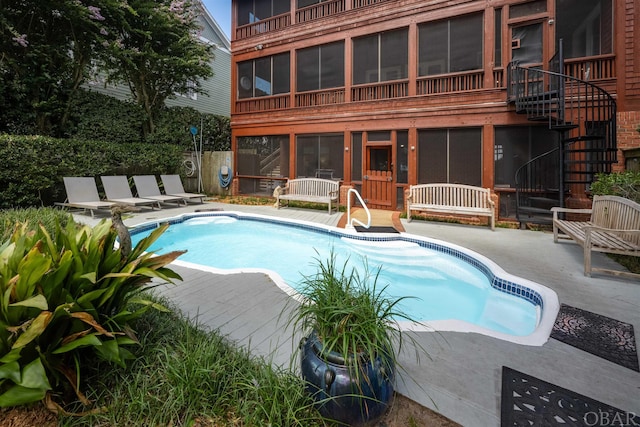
33	166
64	298
47	217
623	184
101	117
174	125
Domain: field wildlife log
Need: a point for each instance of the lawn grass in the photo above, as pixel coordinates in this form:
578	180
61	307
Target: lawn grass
186	376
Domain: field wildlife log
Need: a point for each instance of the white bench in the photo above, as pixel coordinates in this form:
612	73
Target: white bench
455	199
614	227
313	190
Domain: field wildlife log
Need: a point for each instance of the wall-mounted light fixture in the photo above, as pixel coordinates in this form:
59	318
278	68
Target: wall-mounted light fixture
259	47
346	148
413	148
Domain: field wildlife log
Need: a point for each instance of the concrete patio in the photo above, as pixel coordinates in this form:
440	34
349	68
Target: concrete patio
461	375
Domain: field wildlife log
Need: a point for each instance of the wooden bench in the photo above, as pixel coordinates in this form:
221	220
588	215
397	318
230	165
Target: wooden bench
314	190
614	227
456	199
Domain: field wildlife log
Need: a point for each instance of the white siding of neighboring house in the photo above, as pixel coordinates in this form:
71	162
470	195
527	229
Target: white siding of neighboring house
218	99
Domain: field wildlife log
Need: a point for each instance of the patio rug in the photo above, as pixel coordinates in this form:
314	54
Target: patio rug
596	334
529	401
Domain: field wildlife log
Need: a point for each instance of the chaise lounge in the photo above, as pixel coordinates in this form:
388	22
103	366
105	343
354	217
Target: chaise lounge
173	187
117	190
147	188
82	193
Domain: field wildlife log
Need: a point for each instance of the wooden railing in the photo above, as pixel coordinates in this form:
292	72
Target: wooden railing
446	83
320	97
263	104
364	3
320	10
593	68
498	78
306	14
384	90
263	26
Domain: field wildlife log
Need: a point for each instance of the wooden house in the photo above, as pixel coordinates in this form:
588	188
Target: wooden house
528	98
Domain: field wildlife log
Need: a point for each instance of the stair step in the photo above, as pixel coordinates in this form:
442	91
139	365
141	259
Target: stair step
588	162
585	138
534	210
564	126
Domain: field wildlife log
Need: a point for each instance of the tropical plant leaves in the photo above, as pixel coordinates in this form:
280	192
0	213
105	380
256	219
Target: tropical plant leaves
67	293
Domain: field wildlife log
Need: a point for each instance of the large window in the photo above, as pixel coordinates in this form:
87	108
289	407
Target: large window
320	67
250	11
264	155
264	76
380	57
450	46
320	156
516	145
450	155
585	27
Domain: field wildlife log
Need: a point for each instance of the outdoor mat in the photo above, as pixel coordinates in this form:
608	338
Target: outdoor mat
596	334
529	401
375	229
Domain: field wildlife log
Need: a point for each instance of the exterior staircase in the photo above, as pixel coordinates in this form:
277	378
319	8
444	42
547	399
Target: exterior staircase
270	166
584	117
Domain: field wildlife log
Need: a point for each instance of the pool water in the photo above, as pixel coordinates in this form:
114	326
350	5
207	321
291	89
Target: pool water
441	286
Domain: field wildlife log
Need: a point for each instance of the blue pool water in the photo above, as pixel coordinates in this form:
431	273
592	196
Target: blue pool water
444	287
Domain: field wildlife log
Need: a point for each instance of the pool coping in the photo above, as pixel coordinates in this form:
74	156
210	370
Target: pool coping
544	298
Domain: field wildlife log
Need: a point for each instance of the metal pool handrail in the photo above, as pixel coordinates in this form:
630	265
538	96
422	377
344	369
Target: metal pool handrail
350	220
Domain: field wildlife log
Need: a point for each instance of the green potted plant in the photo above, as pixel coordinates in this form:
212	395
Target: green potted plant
350	329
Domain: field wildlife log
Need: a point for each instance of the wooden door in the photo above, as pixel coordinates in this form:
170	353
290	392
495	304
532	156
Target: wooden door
377	180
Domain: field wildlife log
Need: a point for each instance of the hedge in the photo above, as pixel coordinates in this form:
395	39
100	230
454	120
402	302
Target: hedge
33	166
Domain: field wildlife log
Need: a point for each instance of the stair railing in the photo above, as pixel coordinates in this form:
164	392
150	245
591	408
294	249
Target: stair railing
350	220
582	113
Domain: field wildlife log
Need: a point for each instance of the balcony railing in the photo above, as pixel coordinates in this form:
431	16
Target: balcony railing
592	68
355	4
320	97
498	78
384	90
263	26
305	14
266	103
447	83
320	10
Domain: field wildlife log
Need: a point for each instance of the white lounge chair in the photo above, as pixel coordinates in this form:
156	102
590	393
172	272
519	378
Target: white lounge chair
147	188
82	193
117	190
173	187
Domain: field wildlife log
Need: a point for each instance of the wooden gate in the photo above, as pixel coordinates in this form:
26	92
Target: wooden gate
377	189
377	180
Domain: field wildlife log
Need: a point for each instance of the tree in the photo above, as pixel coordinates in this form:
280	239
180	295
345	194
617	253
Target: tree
45	49
158	54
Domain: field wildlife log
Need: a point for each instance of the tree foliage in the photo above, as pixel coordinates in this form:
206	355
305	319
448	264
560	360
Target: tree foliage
49	48
46	48
156	52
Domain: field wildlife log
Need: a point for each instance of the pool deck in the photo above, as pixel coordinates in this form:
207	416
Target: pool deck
461	375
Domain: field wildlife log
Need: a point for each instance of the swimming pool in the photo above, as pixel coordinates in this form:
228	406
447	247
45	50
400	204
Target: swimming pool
455	289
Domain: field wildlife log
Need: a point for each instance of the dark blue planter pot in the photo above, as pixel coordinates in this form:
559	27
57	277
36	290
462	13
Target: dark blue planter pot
338	394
